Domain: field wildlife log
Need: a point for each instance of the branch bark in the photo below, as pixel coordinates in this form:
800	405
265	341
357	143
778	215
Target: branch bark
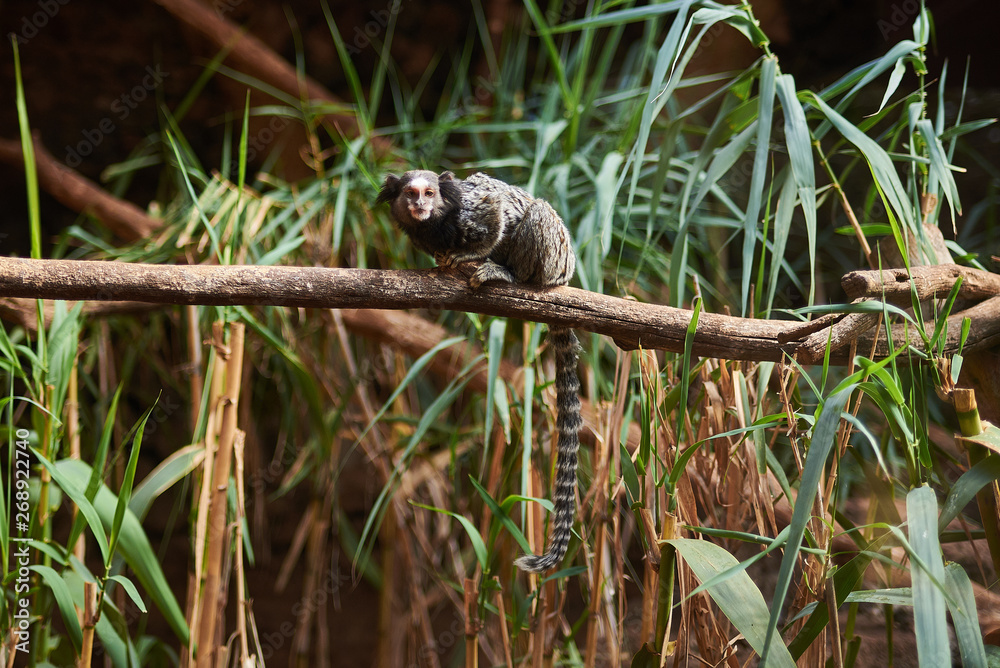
631	324
930	281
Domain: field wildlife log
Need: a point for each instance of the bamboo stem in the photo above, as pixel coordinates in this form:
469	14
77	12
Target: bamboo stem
91	613
471	625
988	498
211	603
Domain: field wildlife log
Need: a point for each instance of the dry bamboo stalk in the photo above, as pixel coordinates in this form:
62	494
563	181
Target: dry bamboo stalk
296	547
596	565
211	604
196	378
471	625
79	549
203	493
91	613
241	595
504	634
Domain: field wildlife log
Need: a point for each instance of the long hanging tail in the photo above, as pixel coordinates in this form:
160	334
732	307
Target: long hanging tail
568	423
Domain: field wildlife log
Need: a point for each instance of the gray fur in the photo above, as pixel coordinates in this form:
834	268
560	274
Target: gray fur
518	239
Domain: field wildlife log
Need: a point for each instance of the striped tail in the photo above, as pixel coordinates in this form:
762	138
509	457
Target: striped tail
568	423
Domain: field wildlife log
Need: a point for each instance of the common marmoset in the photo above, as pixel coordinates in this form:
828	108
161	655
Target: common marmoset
518	239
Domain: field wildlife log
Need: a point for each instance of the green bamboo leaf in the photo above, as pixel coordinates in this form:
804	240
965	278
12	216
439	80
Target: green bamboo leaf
940	172
167	473
477	541
72	486
133	545
494	385
28	155
898	70
738	597
631	15
962	605
765	113
64	601
824	436
896	596
130	589
125	493
878	161
927	573
350	71
782	227
873	69
800	154
501	514
969	483
629	476
606	189
658	91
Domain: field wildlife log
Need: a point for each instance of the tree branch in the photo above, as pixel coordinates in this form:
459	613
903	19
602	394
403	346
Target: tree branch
631	324
930	281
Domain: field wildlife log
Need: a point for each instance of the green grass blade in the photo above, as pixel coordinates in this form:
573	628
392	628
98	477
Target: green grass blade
927	573
125	493
494	350
28	153
167	473
64	601
133	545
765	114
130	589
878	161
968	485
737	596
964	616
478	546
72	486
824	436
940	172
350	71
800	154
499	511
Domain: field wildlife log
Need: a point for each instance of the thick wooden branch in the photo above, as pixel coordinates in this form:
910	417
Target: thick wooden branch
931	281
631	324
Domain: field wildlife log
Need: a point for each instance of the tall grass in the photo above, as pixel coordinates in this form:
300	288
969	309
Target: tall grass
728	509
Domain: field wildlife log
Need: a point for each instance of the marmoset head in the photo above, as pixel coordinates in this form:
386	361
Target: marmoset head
420	195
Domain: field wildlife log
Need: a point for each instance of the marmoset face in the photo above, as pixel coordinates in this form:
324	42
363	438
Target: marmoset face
421	197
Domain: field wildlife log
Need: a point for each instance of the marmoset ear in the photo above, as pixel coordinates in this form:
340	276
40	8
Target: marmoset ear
389	191
450	190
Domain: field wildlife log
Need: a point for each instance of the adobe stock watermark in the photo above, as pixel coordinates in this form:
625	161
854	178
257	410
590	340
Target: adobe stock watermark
124	105
260	140
374	27
901	16
31	25
21	505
